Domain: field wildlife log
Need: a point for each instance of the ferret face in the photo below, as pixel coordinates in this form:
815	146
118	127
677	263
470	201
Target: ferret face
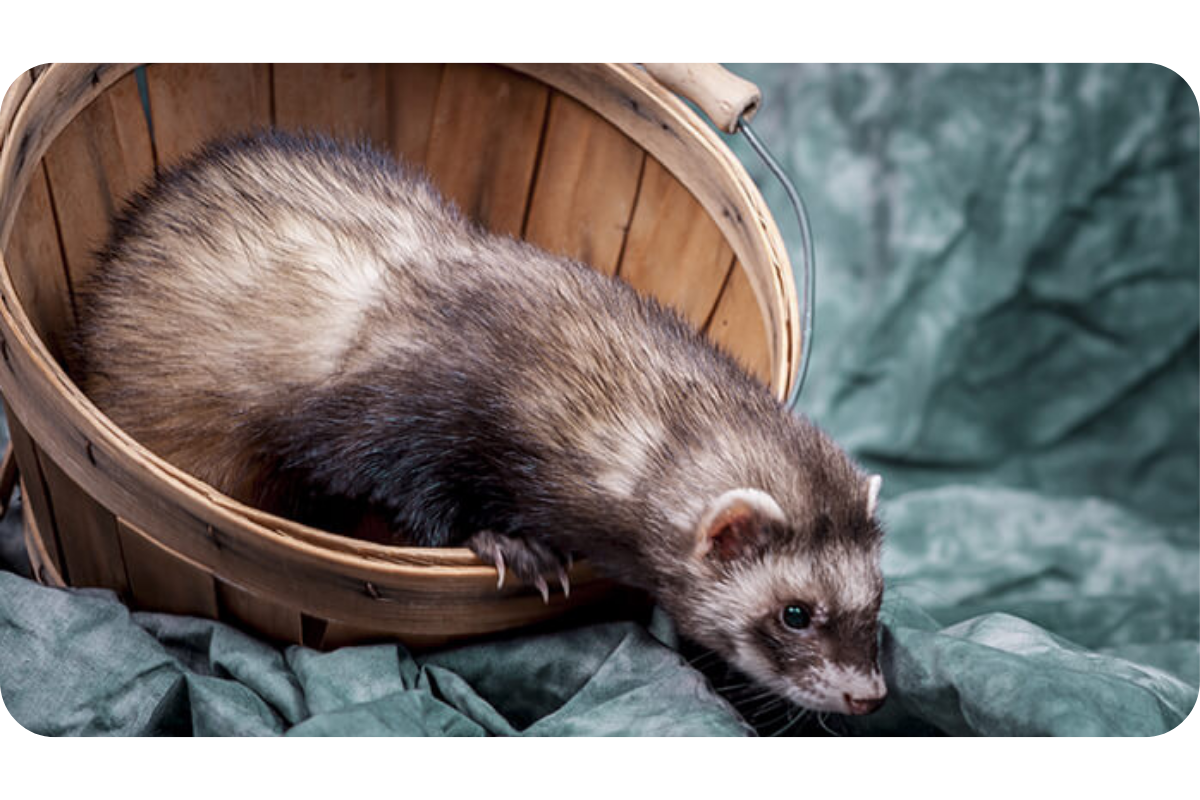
811	632
794	605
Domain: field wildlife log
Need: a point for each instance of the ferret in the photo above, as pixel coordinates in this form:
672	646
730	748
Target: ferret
309	327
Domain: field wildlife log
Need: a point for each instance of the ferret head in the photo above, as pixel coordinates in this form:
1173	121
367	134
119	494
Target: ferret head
792	600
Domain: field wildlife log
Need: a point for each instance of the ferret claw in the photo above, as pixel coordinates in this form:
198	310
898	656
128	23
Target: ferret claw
500	569
527	559
542	587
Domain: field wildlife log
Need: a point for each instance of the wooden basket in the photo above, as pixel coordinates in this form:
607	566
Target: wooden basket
597	161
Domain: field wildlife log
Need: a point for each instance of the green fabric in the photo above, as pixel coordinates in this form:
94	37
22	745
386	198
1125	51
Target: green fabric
1068	617
1008	320
80	663
1007	329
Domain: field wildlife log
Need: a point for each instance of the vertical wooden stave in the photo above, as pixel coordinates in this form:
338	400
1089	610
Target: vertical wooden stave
412	94
162	580
98	161
34	496
35	264
587	182
484	142
250	611
87	533
674	250
103	154
191	104
736	326
348	101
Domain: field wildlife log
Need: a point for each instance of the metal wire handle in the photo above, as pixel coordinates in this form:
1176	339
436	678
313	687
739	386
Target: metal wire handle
806	283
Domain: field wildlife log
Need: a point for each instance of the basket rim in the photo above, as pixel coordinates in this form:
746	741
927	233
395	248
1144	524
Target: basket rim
61	91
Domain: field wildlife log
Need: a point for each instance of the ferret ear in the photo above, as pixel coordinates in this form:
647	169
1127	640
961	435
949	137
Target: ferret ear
734	522
874	483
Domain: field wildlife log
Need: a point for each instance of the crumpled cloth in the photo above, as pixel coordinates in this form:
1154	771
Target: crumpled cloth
1007	329
1012	614
78	662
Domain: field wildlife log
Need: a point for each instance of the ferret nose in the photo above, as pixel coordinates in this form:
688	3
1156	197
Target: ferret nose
863	705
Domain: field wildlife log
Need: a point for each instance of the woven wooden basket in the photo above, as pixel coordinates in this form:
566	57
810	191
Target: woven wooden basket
597	161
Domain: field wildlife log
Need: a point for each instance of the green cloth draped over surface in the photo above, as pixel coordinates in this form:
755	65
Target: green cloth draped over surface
80	663
1008	320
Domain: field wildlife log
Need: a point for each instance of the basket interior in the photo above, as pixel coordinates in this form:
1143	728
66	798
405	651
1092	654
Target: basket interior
520	157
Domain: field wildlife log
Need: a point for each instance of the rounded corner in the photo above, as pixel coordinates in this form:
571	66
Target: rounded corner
1195	726
10	78
8	732
1175	73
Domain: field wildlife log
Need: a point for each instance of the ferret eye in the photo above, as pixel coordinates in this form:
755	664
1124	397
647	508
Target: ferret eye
796	616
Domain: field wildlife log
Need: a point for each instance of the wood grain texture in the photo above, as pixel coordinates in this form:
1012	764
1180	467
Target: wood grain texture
412	94
35	264
484	142
57	94
35	500
44	571
724	97
690	150
256	613
674	251
191	104
737	326
587	181
342	100
162	580
87	534
98	161
13	96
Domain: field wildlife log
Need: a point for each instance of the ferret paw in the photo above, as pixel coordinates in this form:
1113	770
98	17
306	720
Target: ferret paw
529	560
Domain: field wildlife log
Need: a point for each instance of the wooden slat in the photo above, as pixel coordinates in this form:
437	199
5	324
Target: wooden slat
97	162
57	94
342	100
258	614
42	565
586	185
340	634
35	500
12	100
35	265
87	534
674	250
162	580
737	326
484	142
191	104
412	91
8	477
688	147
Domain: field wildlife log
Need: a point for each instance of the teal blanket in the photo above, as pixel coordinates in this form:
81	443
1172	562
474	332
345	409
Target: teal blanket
1008	327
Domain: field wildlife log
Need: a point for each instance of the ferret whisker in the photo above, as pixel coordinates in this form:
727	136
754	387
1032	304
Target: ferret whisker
791	722
821	721
749	692
707	657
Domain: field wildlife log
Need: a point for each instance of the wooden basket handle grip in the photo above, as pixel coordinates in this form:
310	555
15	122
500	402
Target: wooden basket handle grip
721	95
